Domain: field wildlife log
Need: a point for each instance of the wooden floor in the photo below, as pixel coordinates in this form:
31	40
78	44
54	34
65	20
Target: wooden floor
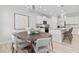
66	47
57	47
5	47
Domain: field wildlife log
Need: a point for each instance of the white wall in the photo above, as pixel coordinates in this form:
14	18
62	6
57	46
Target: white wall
72	20
32	20
7	21
0	24
54	22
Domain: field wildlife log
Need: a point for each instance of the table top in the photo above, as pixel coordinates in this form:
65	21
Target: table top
26	37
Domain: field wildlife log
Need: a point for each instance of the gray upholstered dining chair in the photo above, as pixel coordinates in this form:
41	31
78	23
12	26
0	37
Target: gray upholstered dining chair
41	45
18	44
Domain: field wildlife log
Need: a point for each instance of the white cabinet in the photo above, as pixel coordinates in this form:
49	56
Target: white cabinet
57	35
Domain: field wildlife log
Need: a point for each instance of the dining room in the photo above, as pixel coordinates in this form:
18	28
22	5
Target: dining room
39	28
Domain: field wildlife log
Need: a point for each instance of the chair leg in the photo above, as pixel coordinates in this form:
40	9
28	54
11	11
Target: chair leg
51	43
12	48
63	39
70	39
47	51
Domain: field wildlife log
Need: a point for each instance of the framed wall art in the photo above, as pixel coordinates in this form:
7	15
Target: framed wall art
21	22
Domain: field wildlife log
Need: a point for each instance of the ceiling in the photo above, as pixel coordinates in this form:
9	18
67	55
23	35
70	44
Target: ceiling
54	10
51	10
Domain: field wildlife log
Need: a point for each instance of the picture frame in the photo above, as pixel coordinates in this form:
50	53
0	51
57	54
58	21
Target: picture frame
21	21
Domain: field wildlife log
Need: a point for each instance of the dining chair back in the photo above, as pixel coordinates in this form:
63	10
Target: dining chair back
68	35
18	44
42	45
70	30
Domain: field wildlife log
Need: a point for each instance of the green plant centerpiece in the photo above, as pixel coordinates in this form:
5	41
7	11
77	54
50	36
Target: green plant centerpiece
34	32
